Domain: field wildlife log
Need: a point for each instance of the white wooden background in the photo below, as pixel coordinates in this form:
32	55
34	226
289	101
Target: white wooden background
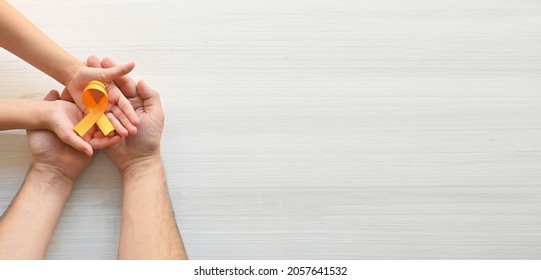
301	129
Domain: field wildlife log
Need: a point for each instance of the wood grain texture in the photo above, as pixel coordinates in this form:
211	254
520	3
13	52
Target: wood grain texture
333	129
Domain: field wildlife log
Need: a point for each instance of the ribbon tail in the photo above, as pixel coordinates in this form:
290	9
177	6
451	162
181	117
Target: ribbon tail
85	124
105	125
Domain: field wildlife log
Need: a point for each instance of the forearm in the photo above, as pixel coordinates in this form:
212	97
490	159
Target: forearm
20	37
149	229
28	224
24	114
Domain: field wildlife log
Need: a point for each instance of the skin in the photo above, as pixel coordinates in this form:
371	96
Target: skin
20	37
148	228
57	116
28	224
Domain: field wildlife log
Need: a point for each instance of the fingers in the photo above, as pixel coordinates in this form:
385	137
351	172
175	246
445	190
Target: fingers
98	141
124	83
52	95
151	98
89	133
145	91
66	96
123	117
123	111
76	142
152	101
118	112
116	72
127	86
103	142
93	61
126	114
87	143
117	125
69	137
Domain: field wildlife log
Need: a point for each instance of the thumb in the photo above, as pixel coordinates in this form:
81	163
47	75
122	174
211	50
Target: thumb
151	101
116	72
145	91
151	98
66	96
52	95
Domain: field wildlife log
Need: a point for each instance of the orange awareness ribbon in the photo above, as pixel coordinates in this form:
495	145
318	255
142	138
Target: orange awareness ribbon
95	110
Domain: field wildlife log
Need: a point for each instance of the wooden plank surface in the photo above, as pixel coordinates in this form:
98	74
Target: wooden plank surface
331	129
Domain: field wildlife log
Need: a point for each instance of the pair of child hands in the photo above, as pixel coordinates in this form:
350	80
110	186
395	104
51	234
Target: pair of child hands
66	110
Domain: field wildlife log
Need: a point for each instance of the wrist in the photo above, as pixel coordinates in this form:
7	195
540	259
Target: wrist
47	111
51	178
26	114
71	71
141	166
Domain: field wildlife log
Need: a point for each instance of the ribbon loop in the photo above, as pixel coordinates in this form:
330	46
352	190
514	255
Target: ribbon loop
95	110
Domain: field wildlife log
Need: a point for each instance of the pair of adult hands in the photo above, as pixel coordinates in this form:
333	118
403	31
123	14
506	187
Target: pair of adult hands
141	147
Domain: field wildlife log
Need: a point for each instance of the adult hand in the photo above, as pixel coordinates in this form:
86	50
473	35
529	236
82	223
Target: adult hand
145	145
154	233
29	222
123	116
52	155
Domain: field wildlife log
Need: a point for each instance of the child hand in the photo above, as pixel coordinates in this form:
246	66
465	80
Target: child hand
122	115
64	116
